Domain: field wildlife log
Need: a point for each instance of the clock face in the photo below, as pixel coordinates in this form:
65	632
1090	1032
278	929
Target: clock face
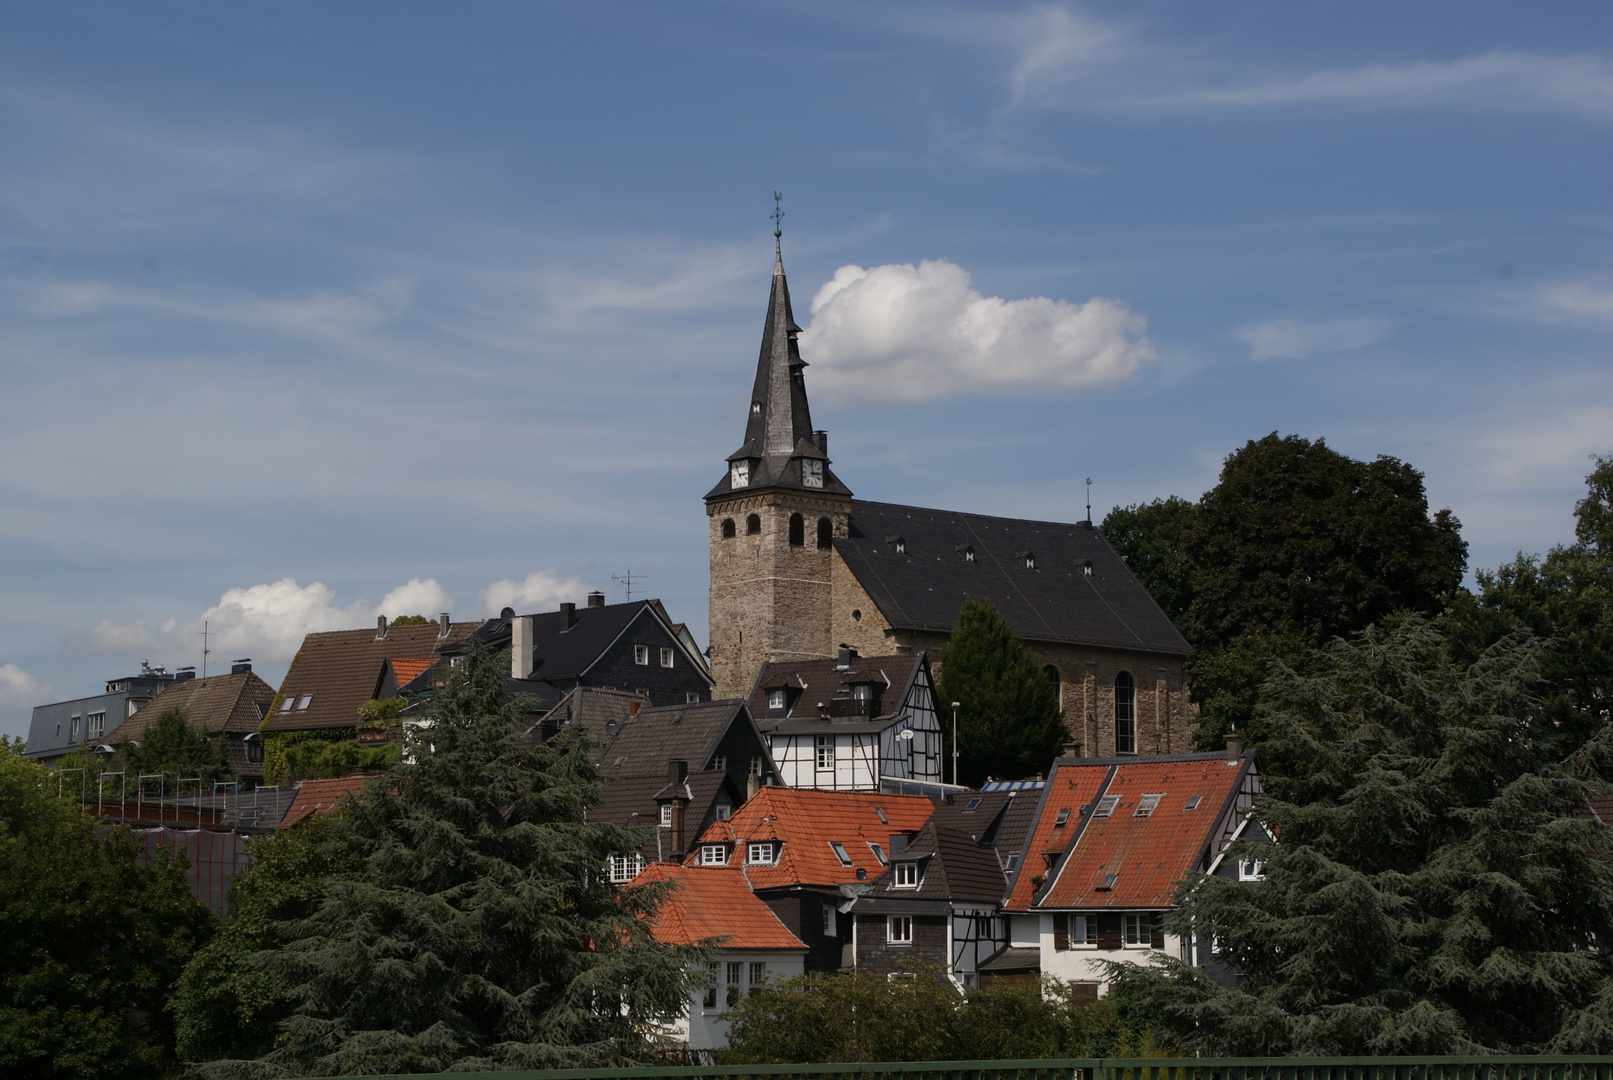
739	474
811	472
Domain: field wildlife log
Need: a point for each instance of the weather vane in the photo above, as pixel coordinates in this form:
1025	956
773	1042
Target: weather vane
778	214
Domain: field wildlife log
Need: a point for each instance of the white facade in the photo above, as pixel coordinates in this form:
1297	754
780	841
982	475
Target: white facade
1080	962
835	755
734	973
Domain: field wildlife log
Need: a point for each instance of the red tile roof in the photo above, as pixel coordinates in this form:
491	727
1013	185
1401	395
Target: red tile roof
405	668
1070	787
805	822
711	902
321	797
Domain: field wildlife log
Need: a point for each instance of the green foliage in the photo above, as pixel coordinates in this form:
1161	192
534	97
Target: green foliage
284	753
92	941
468	923
1436	888
855	1016
1152	538
410	620
170	746
224	1005
12	744
1009	725
319	759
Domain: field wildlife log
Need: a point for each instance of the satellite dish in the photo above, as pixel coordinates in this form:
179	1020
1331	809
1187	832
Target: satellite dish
612	727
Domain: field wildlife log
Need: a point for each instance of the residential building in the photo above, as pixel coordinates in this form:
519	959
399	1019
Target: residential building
60	728
800	569
711	904
1112	839
852	723
322	797
808	854
228	707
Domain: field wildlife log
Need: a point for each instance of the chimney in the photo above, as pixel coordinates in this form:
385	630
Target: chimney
898	843
241	667
380	628
569	610
633	707
184	674
1234	746
676	771
677	829
596	599
753	784
442	625
847	655
822	438
521	646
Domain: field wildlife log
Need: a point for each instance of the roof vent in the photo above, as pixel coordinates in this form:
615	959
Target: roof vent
242	666
596	599
442	625
380	628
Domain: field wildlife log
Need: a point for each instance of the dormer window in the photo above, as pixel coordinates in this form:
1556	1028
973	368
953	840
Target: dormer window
907	875
763	854
898	544
862	691
811	472
967	551
775	699
1029	559
739	474
713	855
1086	568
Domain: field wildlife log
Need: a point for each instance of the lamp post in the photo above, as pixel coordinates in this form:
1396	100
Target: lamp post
955	705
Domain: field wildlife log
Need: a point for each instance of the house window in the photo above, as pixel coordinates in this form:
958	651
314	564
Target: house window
862	692
829	920
666	657
1013	862
1106	806
760	854
839	850
666	815
811	472
826	533
72	730
710	999
719	762
907	875
1125	714
1249	870
1135	929
1083	930
753	525
691	697
775	699
826	752
96	725
758	973
735	970
1146	804
879	853
728	528
254	750
755	766
624	868
797	531
641	655
713	855
724	811
899	930
1052	674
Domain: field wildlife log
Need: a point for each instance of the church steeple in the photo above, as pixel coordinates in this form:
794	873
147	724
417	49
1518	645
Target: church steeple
780	449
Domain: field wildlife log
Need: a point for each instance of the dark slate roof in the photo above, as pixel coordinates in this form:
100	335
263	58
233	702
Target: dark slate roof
561	650
824	679
631	802
957	869
646	742
924	588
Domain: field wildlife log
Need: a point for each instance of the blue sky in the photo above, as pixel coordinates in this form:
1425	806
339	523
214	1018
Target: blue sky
310	311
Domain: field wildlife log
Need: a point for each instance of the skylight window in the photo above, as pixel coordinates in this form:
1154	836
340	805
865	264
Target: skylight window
1106	806
840	852
1192	802
880	814
879	854
287	703
973	804
1108	882
1063	819
1146	804
304	702
1013	861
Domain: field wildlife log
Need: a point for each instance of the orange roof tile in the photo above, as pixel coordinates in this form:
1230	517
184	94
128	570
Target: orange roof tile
405	668
805	822
321	797
1147	855
712	902
1070	786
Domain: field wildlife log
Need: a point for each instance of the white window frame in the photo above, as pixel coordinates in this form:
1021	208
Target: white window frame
666	656
1106	806
1251	870
825	753
775	699
624	868
906	875
1083	931
829	926
1136	930
736	971
839	851
691	697
755	766
641	655
719	762
666	816
713	855
708	998
1147	805
72	729
899	930
761	853
758	973
724	811
95	725
879	853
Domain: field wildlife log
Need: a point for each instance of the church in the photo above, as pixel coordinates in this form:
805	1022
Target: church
800	569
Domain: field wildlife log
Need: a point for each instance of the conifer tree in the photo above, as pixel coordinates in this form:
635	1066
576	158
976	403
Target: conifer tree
1438	885
470	923
1009	725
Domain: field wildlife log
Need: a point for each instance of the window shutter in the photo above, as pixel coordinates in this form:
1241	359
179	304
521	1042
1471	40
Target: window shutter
1156	934
1061	932
1109	931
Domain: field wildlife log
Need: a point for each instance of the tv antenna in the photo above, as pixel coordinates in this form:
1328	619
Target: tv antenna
778	214
1089	500
626	581
205	650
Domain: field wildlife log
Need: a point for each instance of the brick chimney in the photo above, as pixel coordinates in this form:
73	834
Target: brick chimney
596	599
1234	747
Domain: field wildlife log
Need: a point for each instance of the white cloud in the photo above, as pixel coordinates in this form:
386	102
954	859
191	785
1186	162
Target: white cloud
1297	338
541	591
266	622
20	691
906	333
1582	299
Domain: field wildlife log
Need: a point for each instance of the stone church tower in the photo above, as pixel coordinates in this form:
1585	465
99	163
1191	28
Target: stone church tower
773	520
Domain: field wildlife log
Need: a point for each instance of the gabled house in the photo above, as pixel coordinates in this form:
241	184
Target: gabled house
809	854
750	946
222	707
1111	840
852	723
634	647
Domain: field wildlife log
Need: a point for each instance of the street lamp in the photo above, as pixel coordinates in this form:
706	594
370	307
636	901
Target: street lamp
955	705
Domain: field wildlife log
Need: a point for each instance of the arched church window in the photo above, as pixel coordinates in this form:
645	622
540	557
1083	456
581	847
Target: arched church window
727	528
753	525
1052	674
1125	714
826	532
797	531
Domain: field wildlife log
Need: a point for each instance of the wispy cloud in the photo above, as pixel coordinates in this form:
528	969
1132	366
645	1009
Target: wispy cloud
1299	338
19	693
541	590
1589	298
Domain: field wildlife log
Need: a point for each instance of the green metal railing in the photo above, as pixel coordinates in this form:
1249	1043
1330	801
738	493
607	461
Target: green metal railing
1380	1068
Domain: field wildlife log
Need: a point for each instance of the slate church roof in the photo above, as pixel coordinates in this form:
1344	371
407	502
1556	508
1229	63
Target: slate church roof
1052	581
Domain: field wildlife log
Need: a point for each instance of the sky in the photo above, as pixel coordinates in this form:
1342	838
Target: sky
313	312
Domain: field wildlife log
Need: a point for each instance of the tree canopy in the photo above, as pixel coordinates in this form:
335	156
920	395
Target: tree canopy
1439	886
468	922
93	940
1009	725
172	747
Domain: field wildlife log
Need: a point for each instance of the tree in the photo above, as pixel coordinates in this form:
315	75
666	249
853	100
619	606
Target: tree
93	940
469	923
171	747
411	620
1152	539
1008	718
1437	888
